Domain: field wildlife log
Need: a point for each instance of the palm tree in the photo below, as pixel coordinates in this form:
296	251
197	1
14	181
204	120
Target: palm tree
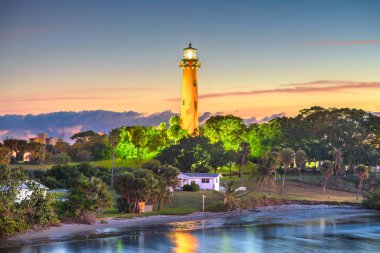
231	197
362	173
300	161
287	158
242	154
114	138
327	170
266	168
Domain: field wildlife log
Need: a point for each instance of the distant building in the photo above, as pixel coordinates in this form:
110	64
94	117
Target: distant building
206	181
51	141
44	140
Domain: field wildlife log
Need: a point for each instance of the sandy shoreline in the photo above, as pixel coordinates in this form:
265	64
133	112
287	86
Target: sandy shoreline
66	231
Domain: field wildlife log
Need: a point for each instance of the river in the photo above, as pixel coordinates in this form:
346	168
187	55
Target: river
340	229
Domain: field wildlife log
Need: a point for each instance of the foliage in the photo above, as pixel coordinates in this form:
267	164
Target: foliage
150	185
86	196
18	215
361	172
194	154
5	155
175	133
232	197
372	199
287	156
263	137
229	129
327	170
242	155
193	187
300	159
62	176
122	205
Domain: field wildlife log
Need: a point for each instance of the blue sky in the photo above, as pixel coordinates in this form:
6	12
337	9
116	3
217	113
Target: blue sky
123	55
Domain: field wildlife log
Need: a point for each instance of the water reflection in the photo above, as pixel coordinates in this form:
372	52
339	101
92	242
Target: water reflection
183	242
334	230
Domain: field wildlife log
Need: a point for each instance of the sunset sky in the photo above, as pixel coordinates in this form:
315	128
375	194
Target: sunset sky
258	57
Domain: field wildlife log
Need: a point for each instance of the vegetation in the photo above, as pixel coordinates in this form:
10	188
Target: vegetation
327	170
343	138
151	185
19	214
86	197
362	173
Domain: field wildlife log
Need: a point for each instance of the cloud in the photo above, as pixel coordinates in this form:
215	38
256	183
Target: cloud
273	116
341	43
3	132
66	123
328	86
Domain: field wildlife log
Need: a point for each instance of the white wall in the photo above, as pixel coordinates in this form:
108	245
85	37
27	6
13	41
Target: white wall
213	183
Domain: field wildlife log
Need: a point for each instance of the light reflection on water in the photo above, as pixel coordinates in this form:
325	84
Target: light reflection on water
333	230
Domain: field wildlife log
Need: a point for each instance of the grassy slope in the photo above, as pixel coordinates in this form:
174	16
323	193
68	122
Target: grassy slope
104	163
189	202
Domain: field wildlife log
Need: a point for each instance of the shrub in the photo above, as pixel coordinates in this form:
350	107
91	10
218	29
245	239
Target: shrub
122	205
193	187
215	207
51	182
372	199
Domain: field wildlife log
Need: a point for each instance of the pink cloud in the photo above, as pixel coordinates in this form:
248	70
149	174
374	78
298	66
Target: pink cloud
341	43
297	88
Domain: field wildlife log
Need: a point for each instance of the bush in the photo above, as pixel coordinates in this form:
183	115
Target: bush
51	182
372	199
122	205
215	207
193	187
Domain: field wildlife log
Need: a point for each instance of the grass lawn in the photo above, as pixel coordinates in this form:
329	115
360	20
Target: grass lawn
104	163
188	202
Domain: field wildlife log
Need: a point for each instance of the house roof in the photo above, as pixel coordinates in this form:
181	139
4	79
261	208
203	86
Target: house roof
198	175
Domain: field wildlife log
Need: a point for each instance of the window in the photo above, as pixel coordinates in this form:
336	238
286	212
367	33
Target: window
194	83
205	180
183	102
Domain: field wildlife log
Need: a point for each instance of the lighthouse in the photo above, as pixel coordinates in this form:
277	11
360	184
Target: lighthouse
189	101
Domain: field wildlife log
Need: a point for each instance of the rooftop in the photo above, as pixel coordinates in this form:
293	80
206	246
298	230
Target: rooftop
201	174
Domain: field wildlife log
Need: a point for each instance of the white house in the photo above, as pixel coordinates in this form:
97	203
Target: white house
206	181
24	192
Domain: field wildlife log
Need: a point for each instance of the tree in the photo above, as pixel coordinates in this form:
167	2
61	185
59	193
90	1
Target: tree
193	154
175	132
232	197
20	215
327	170
266	169
86	197
37	152
362	173
242	154
114	139
300	161
263	137
229	129
5	155
287	158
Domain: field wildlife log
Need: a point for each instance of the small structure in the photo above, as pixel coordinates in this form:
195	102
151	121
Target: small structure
206	181
24	192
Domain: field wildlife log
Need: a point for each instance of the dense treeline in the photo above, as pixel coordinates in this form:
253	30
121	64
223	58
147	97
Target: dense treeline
346	136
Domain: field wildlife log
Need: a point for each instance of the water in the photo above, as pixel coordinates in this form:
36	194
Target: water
306	230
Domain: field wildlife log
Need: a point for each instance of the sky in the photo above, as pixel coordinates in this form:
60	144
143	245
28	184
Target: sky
258	58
